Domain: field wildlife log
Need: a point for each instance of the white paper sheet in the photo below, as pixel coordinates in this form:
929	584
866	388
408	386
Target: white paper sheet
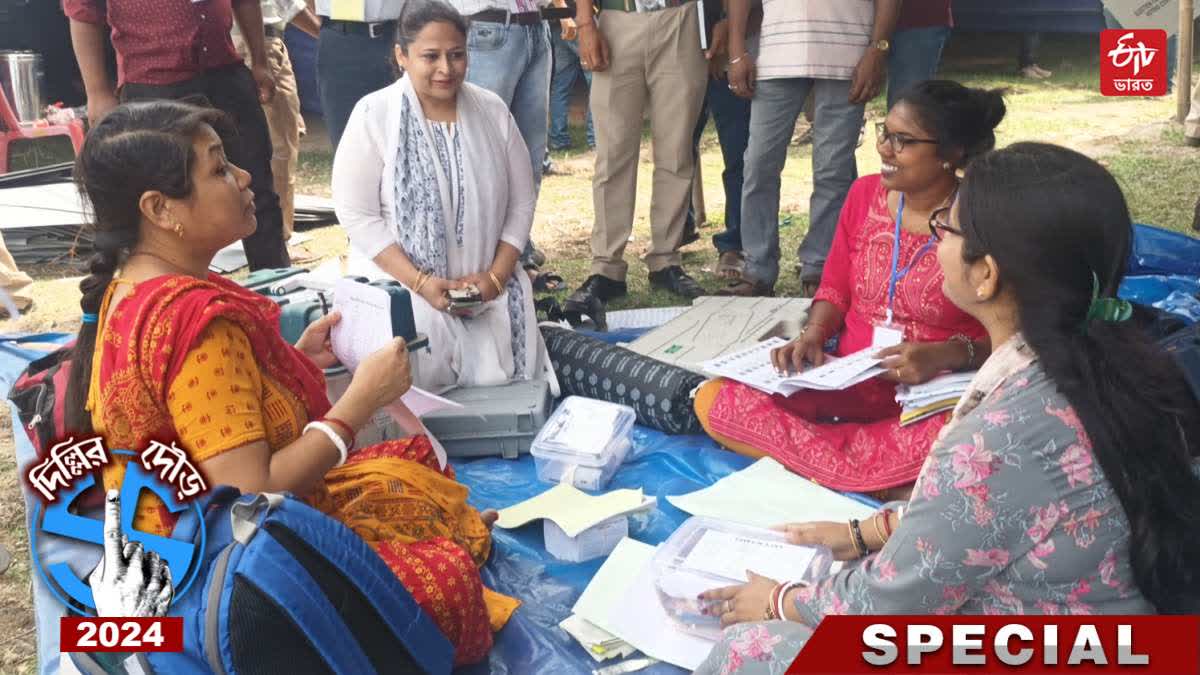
361	332
361	329
766	494
729	556
639	619
753	367
647	317
609	583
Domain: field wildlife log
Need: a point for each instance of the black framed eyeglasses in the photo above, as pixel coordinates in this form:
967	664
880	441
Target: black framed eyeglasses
897	141
939	222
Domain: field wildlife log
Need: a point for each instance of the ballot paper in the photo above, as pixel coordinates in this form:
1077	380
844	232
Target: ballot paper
766	494
753	367
572	509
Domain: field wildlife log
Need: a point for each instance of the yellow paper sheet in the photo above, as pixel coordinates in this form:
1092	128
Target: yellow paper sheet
571	509
348	10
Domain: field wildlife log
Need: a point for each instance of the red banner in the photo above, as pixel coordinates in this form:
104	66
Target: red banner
125	634
1028	644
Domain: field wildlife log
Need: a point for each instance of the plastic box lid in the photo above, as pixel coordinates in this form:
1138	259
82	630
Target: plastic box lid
706	553
584	431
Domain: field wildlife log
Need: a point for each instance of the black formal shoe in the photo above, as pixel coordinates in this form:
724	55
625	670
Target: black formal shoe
1192	141
677	281
588	300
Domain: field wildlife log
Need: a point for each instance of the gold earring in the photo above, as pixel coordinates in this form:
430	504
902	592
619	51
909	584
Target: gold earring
946	166
178	229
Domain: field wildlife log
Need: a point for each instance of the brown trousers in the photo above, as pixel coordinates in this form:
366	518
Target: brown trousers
656	67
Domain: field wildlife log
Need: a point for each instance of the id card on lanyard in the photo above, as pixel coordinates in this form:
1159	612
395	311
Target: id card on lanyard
888	334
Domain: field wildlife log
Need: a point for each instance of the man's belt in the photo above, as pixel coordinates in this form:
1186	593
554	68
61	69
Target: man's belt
631	5
272	32
376	29
501	16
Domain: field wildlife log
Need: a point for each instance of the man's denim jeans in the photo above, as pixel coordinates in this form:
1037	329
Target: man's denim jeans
836	124
567	72
514	62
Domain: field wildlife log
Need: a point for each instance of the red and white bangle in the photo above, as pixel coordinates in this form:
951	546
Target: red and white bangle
781	599
346	429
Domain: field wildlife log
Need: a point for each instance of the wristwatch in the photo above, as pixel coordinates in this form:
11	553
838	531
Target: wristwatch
882	45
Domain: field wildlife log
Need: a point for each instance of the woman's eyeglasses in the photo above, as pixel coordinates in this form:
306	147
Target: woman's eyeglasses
939	222
897	141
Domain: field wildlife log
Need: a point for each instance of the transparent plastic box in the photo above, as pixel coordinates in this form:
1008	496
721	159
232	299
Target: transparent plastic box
583	442
705	553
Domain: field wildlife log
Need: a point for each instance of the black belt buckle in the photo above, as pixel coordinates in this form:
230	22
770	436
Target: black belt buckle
371	29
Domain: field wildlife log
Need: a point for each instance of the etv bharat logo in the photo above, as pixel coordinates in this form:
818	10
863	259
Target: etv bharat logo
1133	62
60	534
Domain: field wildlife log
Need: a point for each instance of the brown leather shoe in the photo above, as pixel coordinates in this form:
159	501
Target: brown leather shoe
745	288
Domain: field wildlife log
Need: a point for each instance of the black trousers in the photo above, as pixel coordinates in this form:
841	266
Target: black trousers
231	89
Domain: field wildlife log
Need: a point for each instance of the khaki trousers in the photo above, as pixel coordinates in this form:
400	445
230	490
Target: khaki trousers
285	123
656	66
1191	126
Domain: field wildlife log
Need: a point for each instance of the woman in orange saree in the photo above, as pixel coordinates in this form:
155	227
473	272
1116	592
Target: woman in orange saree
169	352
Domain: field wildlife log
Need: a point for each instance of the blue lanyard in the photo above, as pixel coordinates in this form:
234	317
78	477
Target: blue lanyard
898	274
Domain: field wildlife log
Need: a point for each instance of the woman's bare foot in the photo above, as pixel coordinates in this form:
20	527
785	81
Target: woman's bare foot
489	517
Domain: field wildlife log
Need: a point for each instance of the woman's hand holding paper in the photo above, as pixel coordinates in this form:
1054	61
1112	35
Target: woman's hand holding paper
919	362
315	341
383	377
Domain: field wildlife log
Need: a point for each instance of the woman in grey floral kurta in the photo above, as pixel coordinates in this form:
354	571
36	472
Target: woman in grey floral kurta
1011	514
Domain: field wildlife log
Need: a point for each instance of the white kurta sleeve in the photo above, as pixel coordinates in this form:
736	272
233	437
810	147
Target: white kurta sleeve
522	197
357	176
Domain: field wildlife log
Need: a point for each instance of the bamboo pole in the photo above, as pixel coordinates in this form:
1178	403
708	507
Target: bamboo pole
1183	91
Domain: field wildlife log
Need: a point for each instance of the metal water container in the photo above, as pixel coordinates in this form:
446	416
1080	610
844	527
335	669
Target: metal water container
21	76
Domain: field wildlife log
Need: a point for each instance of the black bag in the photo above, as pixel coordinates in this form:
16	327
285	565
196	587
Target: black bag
660	393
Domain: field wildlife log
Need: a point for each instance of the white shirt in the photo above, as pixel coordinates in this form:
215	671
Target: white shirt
370	11
277	13
814	38
469	7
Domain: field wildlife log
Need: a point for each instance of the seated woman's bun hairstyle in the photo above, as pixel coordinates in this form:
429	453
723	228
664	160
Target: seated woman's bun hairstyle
961	119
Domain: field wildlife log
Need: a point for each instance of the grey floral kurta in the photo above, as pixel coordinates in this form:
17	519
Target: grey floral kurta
1011	514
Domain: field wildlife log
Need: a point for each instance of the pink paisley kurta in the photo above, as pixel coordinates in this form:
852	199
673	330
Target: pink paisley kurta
852	440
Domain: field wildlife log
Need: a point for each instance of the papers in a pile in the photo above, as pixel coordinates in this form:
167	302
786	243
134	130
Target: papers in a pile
753	367
935	396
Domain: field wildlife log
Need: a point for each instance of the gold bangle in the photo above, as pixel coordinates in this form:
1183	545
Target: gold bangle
422	277
878	530
853	541
496	282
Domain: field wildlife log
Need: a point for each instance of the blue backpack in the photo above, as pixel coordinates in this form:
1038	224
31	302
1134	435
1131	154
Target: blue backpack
283	588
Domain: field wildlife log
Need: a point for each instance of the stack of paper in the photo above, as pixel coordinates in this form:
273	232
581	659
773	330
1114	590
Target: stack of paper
753	367
622	601
935	396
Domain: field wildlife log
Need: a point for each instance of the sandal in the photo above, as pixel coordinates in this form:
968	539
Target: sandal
730	265
547	282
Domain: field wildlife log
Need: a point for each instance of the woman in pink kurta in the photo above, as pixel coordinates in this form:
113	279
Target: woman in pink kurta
852	439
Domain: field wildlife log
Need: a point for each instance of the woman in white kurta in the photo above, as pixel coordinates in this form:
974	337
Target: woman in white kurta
432	182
